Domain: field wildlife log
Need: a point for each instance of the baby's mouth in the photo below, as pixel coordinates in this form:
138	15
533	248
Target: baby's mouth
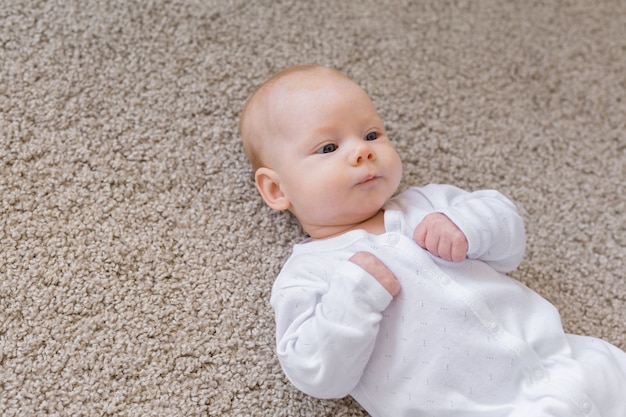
368	179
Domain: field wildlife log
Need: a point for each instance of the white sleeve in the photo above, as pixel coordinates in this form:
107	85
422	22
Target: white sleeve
326	326
489	220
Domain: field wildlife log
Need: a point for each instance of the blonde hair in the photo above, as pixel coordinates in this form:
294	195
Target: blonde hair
257	108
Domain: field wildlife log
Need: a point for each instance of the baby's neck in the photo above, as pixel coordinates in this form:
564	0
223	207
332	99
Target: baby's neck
374	225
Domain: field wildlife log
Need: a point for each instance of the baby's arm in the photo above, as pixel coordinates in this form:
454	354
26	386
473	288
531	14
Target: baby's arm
489	222
326	326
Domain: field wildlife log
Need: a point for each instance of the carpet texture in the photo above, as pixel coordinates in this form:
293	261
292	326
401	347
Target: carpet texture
136	259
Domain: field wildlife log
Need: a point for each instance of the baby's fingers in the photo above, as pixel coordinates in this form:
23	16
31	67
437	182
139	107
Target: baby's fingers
419	234
449	246
372	265
441	237
459	249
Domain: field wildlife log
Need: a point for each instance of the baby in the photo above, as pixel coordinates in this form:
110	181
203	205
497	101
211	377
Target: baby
402	301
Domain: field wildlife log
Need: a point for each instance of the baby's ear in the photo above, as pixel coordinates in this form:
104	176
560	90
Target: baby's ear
268	184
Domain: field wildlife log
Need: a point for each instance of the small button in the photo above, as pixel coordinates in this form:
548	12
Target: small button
393	239
494	326
444	280
539	374
585	406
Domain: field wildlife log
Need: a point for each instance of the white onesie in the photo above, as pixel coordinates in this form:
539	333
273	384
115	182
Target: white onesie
461	339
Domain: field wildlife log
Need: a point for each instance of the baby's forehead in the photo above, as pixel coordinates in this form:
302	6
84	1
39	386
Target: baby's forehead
309	92
288	91
305	80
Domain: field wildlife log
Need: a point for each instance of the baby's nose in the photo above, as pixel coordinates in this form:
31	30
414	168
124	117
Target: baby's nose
363	152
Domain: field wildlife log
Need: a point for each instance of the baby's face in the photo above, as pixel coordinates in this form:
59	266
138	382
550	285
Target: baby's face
335	162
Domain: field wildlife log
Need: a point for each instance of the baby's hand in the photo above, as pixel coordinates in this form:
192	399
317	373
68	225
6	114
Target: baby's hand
372	265
439	236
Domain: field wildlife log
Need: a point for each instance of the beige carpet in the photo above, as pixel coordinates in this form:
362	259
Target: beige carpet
136	259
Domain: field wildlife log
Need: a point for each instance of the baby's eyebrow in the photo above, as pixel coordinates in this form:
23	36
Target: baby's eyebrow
321	131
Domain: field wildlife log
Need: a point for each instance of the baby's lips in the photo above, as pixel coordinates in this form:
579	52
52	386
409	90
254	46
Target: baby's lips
368	178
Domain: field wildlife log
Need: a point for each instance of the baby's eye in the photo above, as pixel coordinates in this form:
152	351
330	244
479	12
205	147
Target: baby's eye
371	136
328	148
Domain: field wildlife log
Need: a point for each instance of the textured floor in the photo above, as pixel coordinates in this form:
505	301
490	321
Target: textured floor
136	259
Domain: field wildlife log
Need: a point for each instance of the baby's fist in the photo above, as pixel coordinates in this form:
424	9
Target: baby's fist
372	265
441	237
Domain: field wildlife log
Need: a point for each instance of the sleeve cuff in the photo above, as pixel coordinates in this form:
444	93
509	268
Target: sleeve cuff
367	289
